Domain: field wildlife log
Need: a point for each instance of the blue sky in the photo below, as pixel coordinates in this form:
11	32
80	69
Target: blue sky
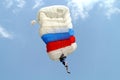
96	24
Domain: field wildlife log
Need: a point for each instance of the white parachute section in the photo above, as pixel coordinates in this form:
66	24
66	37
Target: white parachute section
55	21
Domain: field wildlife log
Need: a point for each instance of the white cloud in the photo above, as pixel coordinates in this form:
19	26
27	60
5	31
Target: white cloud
5	34
8	3
81	8
109	6
38	3
15	5
20	3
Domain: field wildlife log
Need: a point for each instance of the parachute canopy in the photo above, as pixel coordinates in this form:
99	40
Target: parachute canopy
56	30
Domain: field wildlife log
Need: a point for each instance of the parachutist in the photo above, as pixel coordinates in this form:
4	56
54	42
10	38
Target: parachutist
62	59
56	33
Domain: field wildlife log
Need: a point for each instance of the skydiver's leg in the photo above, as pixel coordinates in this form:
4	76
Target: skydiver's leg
66	65
63	63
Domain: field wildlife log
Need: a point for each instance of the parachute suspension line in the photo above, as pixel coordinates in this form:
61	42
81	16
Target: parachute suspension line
62	59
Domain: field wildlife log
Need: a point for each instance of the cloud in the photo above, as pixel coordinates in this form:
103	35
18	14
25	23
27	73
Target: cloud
5	34
109	6
81	8
38	3
15	5
20	3
8	3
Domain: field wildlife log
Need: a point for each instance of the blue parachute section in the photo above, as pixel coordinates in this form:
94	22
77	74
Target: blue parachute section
57	36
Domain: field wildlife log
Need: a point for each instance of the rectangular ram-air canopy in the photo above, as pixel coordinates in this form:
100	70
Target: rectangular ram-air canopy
56	30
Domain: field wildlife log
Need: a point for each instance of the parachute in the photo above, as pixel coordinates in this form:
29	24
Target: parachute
56	30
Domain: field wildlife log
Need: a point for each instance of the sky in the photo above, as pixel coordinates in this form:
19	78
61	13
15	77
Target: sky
97	30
